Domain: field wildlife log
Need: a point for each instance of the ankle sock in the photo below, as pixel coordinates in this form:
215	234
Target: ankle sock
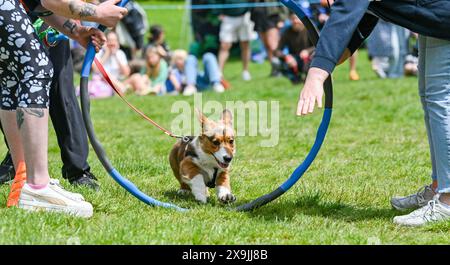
38	187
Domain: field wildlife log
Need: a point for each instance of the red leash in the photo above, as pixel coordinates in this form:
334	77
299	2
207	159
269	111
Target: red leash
122	96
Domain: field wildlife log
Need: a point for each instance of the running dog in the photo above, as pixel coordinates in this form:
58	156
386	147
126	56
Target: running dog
204	161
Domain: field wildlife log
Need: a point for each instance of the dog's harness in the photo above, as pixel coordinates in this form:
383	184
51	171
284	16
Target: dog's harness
186	141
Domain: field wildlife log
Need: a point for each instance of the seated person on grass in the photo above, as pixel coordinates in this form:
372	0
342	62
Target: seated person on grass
152	77
295	39
115	63
184	75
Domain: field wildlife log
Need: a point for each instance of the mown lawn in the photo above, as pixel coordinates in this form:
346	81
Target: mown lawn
376	147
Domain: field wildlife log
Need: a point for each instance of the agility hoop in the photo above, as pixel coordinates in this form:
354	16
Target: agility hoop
261	201
321	133
96	145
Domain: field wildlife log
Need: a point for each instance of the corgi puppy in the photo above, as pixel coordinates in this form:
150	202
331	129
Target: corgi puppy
204	161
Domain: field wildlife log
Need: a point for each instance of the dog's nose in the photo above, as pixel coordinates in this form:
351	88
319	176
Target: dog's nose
227	159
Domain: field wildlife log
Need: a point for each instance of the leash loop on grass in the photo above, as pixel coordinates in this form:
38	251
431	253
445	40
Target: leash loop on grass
101	154
321	133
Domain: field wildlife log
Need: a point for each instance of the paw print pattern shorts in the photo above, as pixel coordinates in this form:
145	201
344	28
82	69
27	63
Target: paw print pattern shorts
25	69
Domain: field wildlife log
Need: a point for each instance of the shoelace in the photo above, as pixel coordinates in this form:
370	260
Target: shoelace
420	195
71	195
431	214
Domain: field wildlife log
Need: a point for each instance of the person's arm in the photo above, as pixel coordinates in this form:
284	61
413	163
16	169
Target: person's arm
106	13
163	73
75	31
122	61
335	36
363	31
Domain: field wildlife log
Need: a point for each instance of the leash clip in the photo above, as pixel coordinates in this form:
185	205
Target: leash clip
186	139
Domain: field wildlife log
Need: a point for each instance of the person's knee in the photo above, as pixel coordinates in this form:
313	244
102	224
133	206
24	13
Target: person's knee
209	57
191	60
225	46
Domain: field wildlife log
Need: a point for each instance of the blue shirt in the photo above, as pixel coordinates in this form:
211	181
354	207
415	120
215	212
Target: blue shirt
352	21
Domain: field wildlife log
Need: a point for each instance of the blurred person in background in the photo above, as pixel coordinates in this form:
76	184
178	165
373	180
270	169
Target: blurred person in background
115	63
236	26
152	78
131	30
268	21
157	37
295	63
185	77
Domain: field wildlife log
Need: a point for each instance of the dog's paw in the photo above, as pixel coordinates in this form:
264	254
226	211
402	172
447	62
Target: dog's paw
201	199
183	192
227	198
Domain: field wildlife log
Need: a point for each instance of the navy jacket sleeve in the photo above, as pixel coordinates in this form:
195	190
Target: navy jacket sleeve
338	31
363	31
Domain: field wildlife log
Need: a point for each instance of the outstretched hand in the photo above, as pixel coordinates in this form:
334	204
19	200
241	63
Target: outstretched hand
312	92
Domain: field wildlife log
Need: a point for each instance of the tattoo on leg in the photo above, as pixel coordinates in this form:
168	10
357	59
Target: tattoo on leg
19	118
83	10
35	112
20	115
70	25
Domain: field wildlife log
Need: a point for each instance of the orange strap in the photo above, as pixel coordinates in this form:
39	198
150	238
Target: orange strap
122	96
17	185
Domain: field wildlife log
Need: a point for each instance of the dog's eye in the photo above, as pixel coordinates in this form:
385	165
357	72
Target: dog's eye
216	142
231	141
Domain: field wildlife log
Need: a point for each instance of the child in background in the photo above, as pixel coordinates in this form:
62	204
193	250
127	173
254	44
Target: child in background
157	37
185	78
152	78
115	63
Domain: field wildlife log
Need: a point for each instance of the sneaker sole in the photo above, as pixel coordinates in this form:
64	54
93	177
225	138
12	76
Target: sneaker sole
38	206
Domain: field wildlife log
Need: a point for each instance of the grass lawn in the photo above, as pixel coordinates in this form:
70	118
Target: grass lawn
376	147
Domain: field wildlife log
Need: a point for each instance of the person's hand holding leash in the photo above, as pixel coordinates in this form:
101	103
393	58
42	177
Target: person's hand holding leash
86	34
312	91
109	14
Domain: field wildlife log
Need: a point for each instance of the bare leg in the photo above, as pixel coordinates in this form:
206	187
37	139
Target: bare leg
33	127
353	73
270	38
224	53
245	54
27	133
8	119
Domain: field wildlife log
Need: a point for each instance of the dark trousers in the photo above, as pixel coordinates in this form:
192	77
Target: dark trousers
66	115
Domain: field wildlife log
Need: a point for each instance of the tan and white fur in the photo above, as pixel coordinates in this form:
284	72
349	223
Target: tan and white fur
195	163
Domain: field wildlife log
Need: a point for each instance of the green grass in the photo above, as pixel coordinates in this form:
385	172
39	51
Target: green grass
376	147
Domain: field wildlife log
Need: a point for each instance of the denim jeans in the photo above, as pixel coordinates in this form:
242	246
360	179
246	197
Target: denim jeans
202	80
434	90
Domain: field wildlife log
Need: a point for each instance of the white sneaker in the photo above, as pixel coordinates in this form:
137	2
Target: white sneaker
54	198
246	76
218	87
75	196
189	91
434	211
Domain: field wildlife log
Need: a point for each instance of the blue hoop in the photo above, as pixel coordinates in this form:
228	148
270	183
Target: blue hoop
289	183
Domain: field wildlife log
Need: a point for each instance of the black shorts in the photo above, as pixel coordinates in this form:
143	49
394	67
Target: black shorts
264	22
25	69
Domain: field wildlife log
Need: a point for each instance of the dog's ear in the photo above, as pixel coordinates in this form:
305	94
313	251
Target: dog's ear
227	118
204	121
